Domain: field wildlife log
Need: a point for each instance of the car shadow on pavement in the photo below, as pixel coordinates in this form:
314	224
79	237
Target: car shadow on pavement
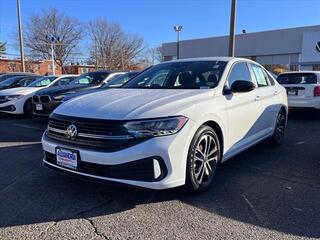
276	189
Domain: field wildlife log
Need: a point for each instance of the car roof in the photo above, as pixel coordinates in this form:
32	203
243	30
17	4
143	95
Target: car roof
294	72
225	59
18	73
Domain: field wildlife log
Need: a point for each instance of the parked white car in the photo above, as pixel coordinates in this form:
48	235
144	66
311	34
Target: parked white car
303	88
169	126
19	100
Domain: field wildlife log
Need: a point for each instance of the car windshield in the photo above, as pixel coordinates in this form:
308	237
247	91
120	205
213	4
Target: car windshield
42	82
27	81
64	81
180	75
90	78
10	81
297	78
119	80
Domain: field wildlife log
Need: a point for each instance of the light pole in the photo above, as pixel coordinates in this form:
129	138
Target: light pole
232	28
52	40
178	29
23	66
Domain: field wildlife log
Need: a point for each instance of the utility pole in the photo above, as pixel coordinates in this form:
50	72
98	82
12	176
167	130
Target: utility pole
232	28
52	57
178	29
53	40
23	66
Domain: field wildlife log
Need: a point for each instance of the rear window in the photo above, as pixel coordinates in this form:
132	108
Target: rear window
297	78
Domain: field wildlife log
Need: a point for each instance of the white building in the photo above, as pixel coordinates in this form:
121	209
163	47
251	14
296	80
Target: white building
278	50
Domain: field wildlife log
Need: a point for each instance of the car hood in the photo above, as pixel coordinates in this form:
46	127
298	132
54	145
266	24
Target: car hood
81	92
52	91
124	104
18	91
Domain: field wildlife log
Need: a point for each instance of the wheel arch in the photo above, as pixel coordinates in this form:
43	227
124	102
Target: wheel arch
216	127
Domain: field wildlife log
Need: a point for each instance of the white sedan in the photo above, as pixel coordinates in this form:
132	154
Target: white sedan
171	125
303	88
18	100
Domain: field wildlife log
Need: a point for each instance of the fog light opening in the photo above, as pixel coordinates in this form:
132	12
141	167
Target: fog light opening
156	169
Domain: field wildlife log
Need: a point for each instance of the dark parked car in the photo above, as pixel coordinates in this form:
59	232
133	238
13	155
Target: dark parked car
5	76
46	100
117	82
17	81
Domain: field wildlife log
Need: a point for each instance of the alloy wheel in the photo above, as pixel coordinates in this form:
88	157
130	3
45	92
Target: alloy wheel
205	159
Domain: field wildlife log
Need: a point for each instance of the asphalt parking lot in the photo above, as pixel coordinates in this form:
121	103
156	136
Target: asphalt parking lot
263	193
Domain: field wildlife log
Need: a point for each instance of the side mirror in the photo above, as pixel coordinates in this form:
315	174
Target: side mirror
242	86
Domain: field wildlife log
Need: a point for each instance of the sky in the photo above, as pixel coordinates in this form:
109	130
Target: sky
154	19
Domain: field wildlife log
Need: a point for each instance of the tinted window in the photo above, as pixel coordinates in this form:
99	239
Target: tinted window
10	81
239	71
64	81
6	76
297	78
180	75
260	75
26	81
119	80
42	82
90	78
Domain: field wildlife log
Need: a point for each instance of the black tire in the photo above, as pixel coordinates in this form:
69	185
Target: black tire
279	130
28	108
194	182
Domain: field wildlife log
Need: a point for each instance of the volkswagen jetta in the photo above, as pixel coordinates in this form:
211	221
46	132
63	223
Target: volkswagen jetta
169	126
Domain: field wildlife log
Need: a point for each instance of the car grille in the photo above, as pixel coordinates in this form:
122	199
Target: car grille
35	99
140	170
107	135
45	99
41	99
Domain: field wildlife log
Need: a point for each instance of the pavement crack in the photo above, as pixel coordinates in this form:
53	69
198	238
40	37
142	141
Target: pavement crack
96	231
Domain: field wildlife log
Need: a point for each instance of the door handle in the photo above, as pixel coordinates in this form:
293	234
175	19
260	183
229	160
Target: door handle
257	98
275	93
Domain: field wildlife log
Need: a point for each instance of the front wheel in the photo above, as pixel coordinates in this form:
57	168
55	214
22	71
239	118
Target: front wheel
203	158
28	108
278	135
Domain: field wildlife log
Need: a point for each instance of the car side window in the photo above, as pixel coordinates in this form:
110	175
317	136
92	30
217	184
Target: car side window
260	75
239	71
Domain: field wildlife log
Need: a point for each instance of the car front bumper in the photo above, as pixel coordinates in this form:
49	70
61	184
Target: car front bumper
47	108
166	155
13	106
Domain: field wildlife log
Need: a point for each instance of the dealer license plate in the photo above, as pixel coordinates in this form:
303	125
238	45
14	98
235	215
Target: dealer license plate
67	158
39	107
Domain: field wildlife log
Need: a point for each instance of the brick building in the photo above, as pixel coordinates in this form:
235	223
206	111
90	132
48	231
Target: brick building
79	69
40	67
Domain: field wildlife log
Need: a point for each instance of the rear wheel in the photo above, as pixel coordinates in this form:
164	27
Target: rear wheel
278	135
27	108
203	158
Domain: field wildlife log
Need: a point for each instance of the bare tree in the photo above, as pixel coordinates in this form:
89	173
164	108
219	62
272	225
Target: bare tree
155	55
51	26
112	47
3	48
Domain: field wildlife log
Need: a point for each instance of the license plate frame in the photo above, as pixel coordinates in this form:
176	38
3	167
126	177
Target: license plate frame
292	92
39	107
67	158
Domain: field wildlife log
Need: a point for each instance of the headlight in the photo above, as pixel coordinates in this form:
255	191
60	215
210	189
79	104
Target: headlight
13	97
155	127
59	97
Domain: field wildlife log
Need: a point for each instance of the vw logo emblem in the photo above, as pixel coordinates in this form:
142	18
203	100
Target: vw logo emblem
318	46
72	132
